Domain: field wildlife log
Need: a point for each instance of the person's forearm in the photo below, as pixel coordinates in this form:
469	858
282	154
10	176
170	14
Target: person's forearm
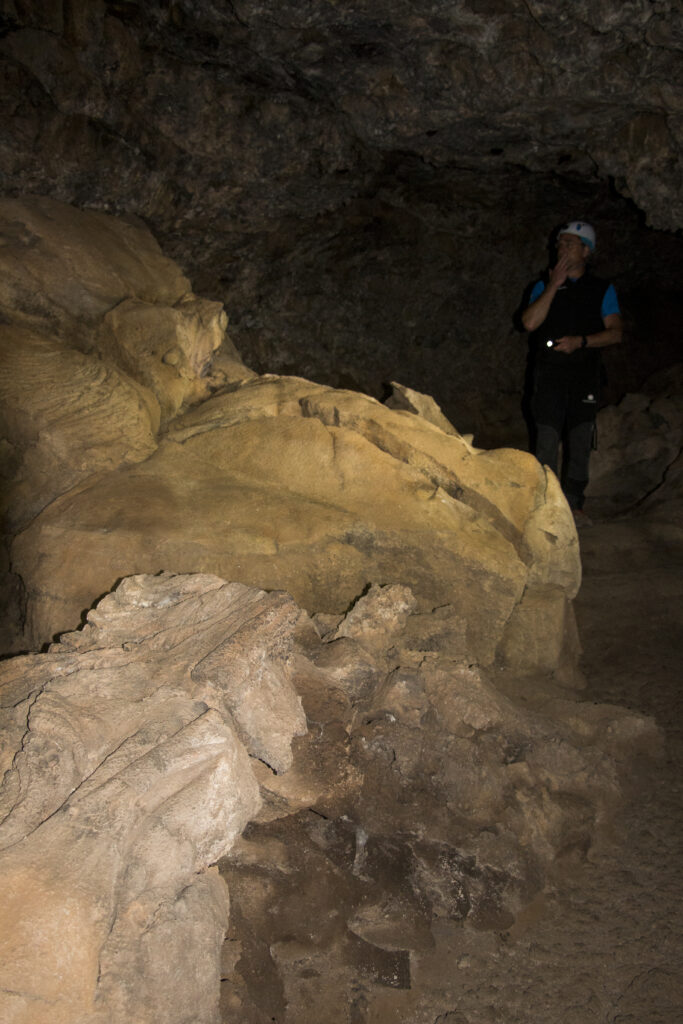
601	339
535	314
610	336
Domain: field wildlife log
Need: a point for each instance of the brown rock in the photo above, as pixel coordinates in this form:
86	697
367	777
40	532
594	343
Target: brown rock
315	508
66	417
73	266
638	440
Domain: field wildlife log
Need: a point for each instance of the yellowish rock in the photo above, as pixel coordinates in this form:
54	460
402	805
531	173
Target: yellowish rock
279	502
66	416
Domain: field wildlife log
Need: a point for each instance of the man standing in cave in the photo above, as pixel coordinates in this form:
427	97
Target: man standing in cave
571	315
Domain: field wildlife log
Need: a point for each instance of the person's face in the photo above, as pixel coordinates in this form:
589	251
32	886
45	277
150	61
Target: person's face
574	250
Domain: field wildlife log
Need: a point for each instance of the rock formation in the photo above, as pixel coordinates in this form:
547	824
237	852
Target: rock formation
286	484
126	775
398	733
102	340
337	626
418	796
639	442
429	795
84	386
276	482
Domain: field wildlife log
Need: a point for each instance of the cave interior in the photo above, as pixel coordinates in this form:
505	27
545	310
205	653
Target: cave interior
369	188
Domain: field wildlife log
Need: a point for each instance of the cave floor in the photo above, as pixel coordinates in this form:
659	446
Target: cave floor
604	943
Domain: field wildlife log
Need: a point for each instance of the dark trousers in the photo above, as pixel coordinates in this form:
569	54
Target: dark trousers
564	408
578	441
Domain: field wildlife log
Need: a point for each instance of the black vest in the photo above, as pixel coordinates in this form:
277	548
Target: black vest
576	309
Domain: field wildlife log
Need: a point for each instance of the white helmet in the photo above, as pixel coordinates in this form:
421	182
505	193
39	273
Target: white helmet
582	230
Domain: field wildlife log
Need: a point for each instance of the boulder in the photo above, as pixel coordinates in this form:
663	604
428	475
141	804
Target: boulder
127	773
101	340
136	441
638	441
284	484
69	267
65	417
666	503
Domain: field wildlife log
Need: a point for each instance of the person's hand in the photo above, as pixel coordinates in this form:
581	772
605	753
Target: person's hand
568	344
558	275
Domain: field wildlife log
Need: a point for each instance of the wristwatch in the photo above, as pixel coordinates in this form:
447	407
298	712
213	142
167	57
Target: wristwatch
584	342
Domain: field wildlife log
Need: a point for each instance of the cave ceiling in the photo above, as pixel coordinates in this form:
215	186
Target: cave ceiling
309	162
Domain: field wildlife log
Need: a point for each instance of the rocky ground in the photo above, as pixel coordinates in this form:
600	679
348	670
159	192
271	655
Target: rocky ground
605	943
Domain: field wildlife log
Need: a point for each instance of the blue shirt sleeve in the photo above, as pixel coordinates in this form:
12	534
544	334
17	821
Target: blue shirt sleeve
537	290
610	302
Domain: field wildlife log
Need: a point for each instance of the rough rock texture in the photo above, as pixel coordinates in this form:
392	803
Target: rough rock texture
442	81
126	775
427	802
369	187
277	482
639	442
286	484
441	765
101	340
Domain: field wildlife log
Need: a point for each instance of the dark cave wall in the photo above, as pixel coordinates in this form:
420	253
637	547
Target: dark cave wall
419	282
369	189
